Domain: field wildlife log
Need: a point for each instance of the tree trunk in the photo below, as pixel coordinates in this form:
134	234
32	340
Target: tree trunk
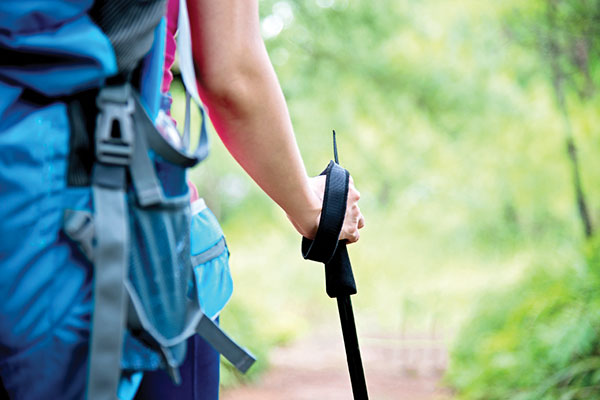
554	54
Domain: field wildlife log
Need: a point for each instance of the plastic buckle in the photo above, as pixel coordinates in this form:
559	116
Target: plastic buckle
114	125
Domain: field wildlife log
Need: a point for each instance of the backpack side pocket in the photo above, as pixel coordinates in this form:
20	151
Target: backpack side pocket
210	260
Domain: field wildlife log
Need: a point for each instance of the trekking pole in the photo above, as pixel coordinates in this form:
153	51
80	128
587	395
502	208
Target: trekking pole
339	279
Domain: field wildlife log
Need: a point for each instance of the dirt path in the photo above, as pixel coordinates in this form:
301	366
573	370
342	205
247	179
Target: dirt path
314	368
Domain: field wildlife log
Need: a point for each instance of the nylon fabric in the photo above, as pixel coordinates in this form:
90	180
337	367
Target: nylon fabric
50	49
199	376
54	52
110	269
147	187
53	48
237	355
44	324
323	247
20	16
81	139
151	70
210	254
210	258
130	27
160	249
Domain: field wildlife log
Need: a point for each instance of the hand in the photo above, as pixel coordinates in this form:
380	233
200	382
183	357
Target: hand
353	220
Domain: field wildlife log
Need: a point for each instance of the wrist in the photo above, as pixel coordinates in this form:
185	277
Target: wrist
306	219
311	220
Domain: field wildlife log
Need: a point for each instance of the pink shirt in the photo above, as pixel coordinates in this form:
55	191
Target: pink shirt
171	45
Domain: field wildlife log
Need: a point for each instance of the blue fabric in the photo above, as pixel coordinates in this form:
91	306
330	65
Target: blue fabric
53	47
199	376
207	231
39	15
45	290
152	71
213	278
45	286
45	281
129	385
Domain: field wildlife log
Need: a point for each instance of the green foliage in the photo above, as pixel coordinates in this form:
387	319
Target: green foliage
447	117
536	340
540	338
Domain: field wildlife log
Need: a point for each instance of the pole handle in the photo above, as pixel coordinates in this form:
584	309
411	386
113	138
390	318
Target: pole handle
339	278
325	247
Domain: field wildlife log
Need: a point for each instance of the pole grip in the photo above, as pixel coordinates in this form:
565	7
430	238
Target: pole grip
339	278
326	248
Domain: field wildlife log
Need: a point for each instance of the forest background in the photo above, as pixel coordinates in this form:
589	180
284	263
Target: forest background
472	131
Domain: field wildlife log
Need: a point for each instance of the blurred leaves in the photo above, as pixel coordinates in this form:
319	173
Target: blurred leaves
536	340
447	117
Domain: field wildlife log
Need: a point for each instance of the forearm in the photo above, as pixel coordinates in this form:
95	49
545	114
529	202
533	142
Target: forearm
255	127
248	110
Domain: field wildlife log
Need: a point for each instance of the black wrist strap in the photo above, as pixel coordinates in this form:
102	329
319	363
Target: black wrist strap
326	248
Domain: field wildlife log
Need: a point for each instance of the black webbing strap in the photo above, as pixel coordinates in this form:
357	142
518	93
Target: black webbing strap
339	279
326	248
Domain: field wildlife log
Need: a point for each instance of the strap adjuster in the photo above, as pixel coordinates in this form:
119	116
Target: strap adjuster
114	125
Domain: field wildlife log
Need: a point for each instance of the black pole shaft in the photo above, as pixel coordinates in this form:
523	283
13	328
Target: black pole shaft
339	279
357	375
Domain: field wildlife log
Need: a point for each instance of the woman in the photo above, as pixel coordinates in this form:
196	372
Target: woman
238	86
55	53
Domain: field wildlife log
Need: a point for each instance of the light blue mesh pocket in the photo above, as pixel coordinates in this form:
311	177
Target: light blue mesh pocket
210	260
160	267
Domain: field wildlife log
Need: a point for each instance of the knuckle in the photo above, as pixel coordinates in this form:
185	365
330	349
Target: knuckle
353	197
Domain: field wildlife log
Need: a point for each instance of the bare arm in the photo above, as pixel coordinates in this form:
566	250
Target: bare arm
246	105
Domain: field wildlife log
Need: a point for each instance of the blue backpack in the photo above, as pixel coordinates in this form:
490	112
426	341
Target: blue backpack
160	266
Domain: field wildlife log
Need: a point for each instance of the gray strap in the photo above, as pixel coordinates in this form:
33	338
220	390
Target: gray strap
79	226
203	147
187	124
161	146
110	269
198	323
171	366
241	358
188	74
184	50
143	174
156	141
209	254
113	153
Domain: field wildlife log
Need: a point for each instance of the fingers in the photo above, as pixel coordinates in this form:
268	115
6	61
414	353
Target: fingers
353	194
354	220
